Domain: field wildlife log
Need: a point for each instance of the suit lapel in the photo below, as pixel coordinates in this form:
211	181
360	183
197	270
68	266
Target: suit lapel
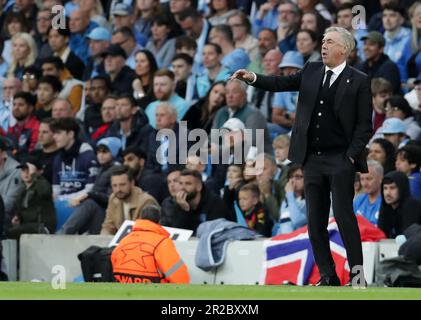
344	82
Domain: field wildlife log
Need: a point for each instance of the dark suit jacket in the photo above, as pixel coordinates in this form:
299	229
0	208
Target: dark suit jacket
353	108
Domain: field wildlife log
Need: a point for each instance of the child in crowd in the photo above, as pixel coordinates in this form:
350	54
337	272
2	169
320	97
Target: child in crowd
408	161
233	184
256	216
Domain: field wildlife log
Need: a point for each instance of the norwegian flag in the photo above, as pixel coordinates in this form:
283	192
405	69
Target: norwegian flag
289	257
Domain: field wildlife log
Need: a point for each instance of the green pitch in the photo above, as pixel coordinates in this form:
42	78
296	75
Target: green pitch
28	290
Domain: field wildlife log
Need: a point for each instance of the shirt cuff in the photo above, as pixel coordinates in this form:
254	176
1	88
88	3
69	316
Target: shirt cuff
254	80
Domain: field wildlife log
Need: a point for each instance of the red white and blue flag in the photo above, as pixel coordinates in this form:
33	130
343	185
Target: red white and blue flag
289	257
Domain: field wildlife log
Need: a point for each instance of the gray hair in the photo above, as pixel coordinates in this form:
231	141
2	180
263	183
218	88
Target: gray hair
242	84
169	108
378	168
347	38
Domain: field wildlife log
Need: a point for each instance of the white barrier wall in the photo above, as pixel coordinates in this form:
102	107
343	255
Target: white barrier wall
243	263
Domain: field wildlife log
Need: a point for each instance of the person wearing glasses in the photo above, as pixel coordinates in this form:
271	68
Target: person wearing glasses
241	30
293	211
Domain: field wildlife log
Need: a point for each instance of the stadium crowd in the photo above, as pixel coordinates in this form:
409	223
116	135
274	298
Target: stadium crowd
81	108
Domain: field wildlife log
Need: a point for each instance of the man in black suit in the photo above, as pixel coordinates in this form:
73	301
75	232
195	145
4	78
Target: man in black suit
331	130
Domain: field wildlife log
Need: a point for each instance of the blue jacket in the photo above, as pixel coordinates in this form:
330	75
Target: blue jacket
395	47
181	105
270	20
79	42
237	59
214	237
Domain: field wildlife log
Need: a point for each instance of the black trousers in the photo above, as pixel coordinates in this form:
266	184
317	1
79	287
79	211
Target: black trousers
331	177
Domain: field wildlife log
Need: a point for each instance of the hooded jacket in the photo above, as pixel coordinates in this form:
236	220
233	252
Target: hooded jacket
393	222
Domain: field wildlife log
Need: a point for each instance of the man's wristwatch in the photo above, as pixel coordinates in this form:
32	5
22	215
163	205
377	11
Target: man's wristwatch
254	79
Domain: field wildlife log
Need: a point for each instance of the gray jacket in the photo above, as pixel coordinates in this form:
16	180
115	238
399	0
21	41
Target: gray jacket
214	238
10	183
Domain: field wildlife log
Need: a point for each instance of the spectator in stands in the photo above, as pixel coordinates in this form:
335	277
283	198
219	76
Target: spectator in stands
311	5
121	76
11	86
345	18
202	113
108	116
307	44
398	107
72	88
396	36
135	158
159	263
178	6
24	133
312	20
254	213
376	23
197	27
126	202
99	90
220	11
194	204
74	167
90	207
188	45
411	52
234	181
281	148
160	44
383	151
62	108
214	70
162	145
14	23
240	26
49	88
271	181
377	64
293	212
164	91
44	17
394	130
237	107
185	81
146	13
99	40
174	186
131	125
266	17
125	38
30	79
145	69
408	161
58	40
95	11
123	17
48	149
232	58
367	204
381	90
80	27
285	103
399	209
263	100
267	41
10	180
288	23
24	54
34	212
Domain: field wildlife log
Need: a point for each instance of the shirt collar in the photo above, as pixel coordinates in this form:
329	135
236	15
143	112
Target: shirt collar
337	70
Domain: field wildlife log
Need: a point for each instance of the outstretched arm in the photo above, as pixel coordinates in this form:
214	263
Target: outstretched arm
270	83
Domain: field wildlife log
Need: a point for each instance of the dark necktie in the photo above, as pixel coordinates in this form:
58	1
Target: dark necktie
329	74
